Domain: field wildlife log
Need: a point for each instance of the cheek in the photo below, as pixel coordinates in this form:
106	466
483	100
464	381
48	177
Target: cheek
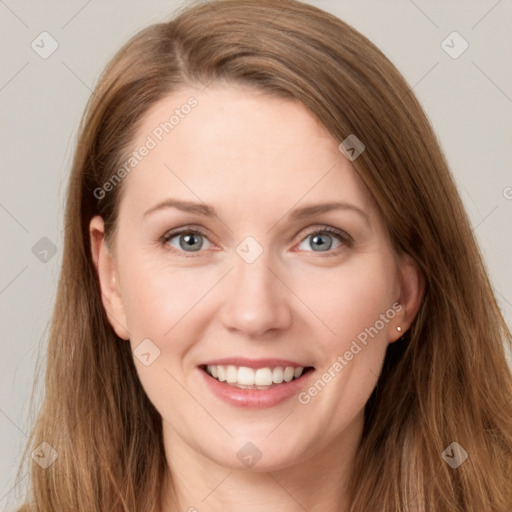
163	304
356	303
158	297
349	299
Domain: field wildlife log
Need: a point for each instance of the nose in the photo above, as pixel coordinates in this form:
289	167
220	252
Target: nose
258	302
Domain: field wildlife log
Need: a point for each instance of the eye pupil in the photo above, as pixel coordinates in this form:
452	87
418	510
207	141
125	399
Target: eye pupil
190	241
321	240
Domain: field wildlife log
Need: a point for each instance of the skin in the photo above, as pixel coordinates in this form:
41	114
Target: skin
254	158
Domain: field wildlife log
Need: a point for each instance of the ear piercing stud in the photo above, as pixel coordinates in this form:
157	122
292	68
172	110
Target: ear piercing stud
398	328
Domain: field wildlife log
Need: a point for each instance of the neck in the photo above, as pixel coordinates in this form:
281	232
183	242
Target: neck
195	483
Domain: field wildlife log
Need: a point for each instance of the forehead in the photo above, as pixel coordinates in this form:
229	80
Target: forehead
237	148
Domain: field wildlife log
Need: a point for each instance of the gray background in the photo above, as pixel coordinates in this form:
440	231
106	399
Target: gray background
468	100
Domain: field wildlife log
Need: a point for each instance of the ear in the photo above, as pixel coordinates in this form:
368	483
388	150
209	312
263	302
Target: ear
412	288
107	275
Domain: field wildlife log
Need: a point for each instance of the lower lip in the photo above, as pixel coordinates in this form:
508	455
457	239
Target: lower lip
255	398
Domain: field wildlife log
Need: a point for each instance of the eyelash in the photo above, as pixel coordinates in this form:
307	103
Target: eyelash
343	237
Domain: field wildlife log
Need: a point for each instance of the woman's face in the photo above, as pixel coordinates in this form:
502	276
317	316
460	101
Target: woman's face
247	249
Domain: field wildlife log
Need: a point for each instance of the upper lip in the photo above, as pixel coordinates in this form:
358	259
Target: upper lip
255	363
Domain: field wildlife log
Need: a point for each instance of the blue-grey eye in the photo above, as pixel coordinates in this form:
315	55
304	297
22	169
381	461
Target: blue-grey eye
321	241
187	241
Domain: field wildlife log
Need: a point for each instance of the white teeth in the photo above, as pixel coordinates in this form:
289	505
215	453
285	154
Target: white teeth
288	374
263	377
245	377
277	375
231	374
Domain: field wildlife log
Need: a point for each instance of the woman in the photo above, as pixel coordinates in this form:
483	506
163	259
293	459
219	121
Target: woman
270	297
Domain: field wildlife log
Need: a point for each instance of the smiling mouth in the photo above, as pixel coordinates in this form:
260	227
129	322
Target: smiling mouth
243	377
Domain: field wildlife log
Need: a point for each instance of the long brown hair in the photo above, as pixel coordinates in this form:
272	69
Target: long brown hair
447	380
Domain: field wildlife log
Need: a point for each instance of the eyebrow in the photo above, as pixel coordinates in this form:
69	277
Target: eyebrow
297	214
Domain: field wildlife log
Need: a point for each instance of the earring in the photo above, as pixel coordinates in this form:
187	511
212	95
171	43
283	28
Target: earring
398	328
